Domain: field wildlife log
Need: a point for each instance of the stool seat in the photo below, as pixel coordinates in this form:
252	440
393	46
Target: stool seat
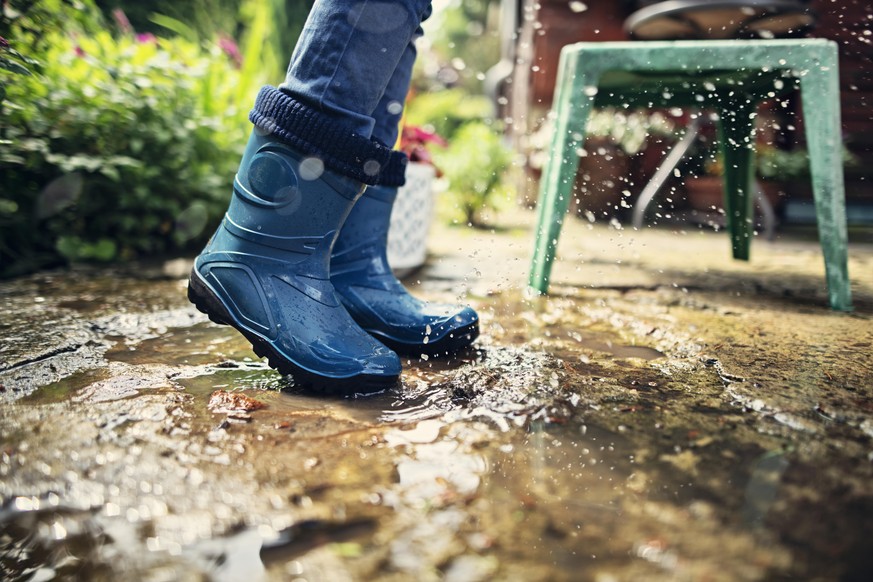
720	19
729	76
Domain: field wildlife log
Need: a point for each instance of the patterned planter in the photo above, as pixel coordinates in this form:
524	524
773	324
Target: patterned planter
410	220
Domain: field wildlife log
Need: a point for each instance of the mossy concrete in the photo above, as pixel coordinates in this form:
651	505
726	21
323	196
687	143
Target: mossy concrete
665	414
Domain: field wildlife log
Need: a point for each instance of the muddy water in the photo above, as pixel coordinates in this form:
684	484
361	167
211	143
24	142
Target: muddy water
599	434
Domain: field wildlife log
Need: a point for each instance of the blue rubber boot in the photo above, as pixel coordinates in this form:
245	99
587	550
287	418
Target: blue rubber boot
265	272
375	298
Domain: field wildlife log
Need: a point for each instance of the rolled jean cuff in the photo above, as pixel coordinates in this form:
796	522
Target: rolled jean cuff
315	134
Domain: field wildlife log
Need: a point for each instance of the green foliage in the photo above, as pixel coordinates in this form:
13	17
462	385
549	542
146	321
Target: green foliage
474	164
270	32
123	145
27	23
475	159
464	35
447	110
11	63
773	163
203	18
270	27
464	44
118	149
628	130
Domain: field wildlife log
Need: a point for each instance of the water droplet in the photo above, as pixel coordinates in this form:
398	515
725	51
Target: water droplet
395	108
311	168
191	221
372	167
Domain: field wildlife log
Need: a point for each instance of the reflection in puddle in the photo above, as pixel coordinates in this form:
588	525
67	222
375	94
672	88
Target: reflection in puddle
439	470
762	488
430	402
283	547
425	431
564	485
615	349
432	465
233	558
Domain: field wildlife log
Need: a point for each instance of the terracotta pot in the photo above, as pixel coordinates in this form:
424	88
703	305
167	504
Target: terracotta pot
598	187
704	193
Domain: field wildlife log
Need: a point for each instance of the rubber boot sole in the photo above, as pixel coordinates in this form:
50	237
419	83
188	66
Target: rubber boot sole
207	302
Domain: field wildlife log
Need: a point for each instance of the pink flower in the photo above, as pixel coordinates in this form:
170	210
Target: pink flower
416	135
79	52
231	49
122	21
146	37
414	141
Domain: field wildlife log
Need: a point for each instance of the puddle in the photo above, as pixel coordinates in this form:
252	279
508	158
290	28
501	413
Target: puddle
609	435
203	343
641	352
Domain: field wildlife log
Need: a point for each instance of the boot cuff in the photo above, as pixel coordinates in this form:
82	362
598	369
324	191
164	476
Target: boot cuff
313	134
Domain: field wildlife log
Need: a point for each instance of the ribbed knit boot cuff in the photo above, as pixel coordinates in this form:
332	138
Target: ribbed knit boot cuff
314	134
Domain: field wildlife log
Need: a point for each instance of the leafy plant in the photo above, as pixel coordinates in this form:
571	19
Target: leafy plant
209	19
120	148
122	144
11	63
475	159
474	165
203	18
780	165
27	23
446	111
627	130
465	42
11	60
771	162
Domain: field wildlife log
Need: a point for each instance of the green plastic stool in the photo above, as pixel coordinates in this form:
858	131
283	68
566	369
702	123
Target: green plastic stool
730	76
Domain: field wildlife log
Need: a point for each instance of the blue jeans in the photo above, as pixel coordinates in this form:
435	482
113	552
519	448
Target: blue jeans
353	62
344	92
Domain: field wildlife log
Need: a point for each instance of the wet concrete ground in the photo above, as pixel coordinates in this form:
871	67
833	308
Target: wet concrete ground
665	414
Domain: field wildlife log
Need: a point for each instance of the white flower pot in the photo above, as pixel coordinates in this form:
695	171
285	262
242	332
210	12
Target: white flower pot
411	219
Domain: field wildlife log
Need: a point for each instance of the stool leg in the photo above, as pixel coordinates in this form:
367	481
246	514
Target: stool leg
571	110
737	145
821	115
